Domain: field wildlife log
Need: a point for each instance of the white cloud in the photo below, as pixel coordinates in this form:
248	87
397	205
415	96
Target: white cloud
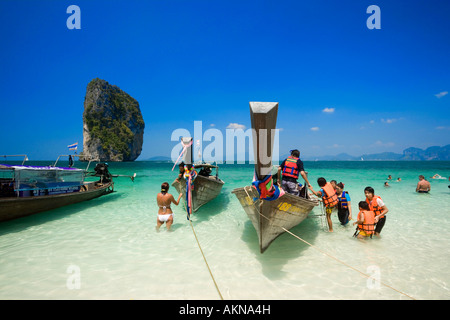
442	128
315	129
236	126
388	120
328	110
212	125
441	94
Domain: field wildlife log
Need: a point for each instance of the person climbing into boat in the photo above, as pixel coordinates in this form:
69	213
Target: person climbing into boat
423	186
181	171
365	221
344	206
376	205
329	198
165	213
289	171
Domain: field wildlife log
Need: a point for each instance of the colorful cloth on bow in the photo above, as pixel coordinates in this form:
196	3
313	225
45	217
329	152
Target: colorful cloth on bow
189	176
266	189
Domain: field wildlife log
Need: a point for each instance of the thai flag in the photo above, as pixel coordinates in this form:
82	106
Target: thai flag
73	146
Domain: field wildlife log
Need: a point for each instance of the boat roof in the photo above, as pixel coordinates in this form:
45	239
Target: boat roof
45	168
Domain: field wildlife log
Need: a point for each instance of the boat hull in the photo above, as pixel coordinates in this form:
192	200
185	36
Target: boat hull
205	190
17	207
271	218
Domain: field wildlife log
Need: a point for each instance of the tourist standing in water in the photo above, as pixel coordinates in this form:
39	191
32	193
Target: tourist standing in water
423	186
344	205
376	205
165	213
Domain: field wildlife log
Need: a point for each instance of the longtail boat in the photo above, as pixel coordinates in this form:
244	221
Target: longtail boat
26	190
270	210
205	186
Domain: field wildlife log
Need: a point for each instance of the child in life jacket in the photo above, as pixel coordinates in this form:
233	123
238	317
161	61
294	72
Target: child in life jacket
329	198
365	221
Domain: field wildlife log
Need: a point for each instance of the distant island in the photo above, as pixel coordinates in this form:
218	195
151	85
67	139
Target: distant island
412	154
434	153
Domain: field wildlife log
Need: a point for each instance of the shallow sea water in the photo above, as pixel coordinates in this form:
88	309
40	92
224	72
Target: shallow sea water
110	245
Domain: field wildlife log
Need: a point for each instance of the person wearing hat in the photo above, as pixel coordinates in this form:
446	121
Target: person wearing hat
289	171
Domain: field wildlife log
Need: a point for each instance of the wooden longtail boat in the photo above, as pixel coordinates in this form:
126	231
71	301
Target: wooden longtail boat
26	190
270	218
207	186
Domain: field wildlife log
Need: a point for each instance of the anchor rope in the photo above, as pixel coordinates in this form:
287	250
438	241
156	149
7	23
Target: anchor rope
204	258
345	264
330	256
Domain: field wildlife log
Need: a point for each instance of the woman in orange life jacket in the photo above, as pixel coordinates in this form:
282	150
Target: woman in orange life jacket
329	198
344	205
289	171
365	221
376	205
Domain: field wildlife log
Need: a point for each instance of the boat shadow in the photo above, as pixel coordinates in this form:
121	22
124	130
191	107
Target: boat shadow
20	224
212	208
283	249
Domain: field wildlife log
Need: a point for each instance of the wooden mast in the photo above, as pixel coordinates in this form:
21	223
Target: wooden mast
264	119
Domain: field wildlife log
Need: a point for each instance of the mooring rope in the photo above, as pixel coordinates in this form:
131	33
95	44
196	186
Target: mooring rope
204	258
345	264
329	255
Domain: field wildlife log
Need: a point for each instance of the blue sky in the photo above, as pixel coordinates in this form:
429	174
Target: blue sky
341	87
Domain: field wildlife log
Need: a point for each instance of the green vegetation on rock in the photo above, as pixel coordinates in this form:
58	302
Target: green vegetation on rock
113	117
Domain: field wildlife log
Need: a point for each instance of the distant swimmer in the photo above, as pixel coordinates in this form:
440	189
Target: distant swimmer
386	184
423	186
389	177
438	176
165	213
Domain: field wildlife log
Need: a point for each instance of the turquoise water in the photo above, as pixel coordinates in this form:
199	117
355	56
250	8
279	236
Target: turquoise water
108	248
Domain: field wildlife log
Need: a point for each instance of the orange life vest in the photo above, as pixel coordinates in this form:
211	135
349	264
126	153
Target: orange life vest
290	168
330	198
368	226
373	206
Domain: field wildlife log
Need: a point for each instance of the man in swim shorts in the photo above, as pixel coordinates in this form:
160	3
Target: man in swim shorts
423	186
165	213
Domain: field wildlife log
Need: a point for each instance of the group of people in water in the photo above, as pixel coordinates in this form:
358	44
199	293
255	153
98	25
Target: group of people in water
372	212
371	217
423	186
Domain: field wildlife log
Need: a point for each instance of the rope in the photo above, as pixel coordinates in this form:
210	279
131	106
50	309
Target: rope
345	264
204	258
329	255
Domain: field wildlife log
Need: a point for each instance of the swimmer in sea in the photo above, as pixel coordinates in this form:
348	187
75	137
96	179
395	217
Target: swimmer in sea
165	213
423	186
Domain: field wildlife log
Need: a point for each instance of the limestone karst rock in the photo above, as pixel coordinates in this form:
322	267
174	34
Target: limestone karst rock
113	127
